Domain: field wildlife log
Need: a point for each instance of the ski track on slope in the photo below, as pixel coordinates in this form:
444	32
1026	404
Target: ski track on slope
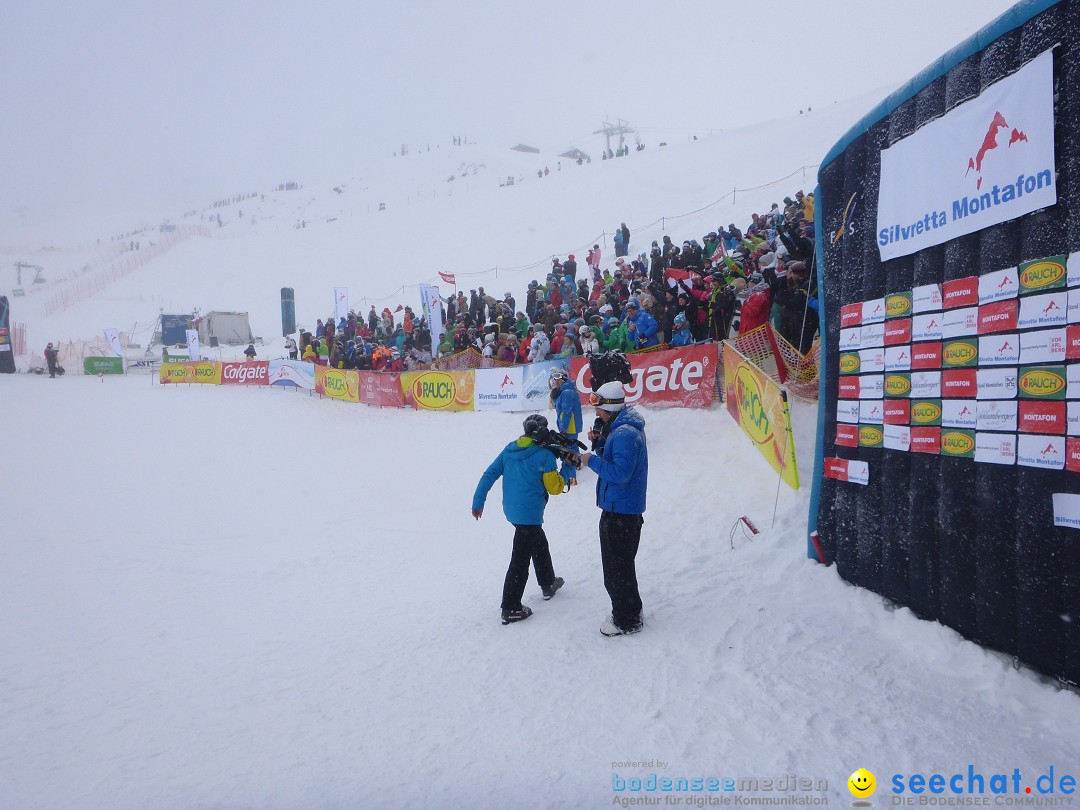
318	626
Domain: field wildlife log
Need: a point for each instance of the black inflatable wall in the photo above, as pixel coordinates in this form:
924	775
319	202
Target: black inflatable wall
7	353
972	545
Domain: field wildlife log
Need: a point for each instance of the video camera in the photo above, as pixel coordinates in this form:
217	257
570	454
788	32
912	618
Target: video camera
565	448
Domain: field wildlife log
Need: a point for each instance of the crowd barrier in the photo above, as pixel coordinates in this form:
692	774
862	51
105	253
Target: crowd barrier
685	377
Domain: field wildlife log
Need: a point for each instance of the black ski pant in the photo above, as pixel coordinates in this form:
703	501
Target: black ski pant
530	544
619	538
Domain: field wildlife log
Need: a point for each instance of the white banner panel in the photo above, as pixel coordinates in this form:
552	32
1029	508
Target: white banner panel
871	412
341	303
999	350
1043	346
996	383
999	286
926	298
847	411
1046	452
193	344
1066	510
986	161
958	413
995	448
499	389
432	307
957	323
898	358
996	414
1049	309
897	437
872	361
112	337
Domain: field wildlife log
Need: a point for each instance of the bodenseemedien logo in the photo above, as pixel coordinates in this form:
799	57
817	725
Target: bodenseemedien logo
862	785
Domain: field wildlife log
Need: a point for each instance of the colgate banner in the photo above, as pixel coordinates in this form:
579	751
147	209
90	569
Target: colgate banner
382	389
682	378
256	373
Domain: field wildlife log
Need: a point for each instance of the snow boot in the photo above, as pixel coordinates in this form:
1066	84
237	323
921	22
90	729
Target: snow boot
609	628
556	583
516	615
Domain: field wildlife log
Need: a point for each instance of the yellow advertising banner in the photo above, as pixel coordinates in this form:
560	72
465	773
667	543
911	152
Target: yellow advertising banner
439	390
204	371
338	383
756	402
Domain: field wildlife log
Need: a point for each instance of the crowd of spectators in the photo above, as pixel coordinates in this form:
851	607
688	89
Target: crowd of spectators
676	295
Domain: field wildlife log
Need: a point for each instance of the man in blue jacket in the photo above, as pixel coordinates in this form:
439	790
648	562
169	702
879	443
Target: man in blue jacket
529	476
641	326
621	464
564	397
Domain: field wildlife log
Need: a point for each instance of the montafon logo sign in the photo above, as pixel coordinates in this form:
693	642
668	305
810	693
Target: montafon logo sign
988	160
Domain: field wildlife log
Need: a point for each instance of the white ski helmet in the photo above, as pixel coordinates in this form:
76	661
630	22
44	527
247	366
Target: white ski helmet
610	396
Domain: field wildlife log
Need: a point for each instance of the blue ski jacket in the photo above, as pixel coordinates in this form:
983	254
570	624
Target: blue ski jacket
622	465
568	409
529	476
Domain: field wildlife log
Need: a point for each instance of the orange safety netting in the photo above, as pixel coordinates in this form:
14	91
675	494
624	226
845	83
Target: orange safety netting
770	352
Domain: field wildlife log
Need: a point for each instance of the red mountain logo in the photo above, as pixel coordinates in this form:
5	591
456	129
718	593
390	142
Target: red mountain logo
1048	451
1051	307
989	143
506	381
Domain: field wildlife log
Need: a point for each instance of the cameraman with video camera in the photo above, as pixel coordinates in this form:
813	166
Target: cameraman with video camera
529	476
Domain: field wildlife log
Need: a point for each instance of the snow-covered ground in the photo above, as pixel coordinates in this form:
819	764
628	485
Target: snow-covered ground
231	597
222	597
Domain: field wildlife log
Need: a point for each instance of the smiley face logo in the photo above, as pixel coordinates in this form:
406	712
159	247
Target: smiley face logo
862	784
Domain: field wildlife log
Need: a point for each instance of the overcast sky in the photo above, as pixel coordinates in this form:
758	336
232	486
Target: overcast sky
142	107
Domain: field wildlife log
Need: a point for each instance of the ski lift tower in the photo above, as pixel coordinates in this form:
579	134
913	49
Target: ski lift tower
621	128
21	265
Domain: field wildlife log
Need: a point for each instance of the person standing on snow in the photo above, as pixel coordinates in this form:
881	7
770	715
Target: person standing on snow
621	464
567	404
51	355
529	477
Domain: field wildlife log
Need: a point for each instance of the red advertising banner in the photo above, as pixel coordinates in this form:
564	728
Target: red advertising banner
926	440
1042	417
999	316
239	373
1072	455
897	411
1072	342
960	292
847	435
898	332
959	382
677	378
382	389
926	356
850	315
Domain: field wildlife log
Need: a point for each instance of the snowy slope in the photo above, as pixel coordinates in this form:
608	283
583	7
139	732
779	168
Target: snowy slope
472	227
322	630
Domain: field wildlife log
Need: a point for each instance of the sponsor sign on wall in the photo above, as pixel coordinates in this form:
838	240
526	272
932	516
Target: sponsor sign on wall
754	401
254	373
381	389
988	160
438	390
204	372
336	383
292	374
683	378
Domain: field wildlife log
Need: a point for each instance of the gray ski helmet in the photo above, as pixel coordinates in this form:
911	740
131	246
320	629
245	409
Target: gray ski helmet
534	423
558	373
